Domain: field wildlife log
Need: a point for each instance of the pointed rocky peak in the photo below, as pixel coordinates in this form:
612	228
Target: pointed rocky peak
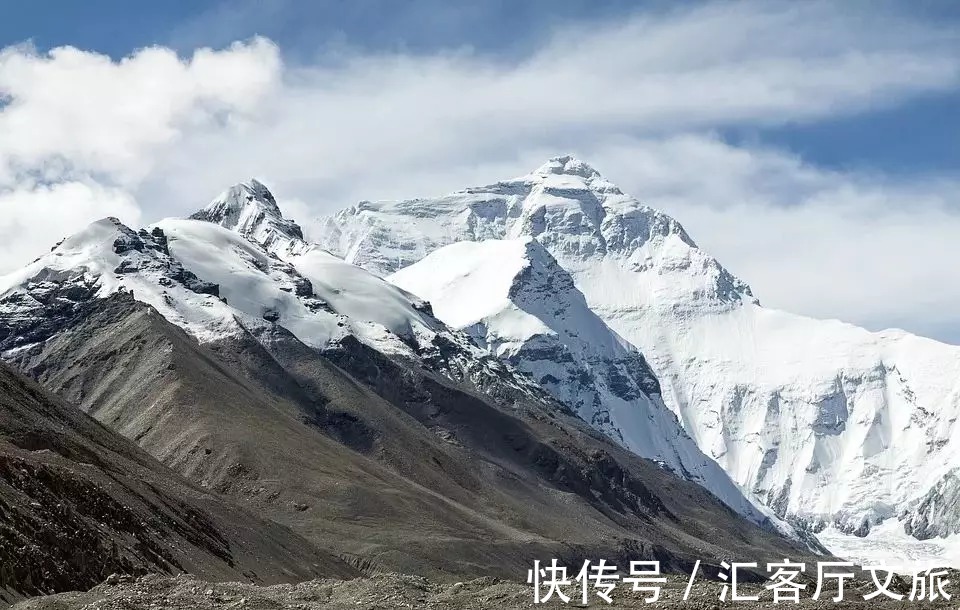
237	202
249	208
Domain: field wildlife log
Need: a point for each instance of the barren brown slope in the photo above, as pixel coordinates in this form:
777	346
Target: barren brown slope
382	460
79	502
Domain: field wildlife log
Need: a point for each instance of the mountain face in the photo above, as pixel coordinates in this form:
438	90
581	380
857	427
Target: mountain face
589	225
822	421
517	302
245	286
79	503
250	209
322	397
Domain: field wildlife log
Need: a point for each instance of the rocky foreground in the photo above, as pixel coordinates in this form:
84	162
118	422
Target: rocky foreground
388	591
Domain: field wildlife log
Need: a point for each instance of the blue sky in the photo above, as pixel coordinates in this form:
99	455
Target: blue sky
117	27
918	136
812	147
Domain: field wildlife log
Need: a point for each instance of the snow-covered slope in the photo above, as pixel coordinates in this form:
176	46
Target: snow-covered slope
820	420
515	300
237	265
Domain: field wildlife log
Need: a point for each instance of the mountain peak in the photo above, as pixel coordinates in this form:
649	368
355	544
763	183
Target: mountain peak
250	209
233	201
259	192
567	165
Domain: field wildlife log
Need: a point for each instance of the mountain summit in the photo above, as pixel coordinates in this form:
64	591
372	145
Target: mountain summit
566	164
571	209
249	208
822	421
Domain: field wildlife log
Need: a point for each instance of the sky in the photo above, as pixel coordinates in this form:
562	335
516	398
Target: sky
813	148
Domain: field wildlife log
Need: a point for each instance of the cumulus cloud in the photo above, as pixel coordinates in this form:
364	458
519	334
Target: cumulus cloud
32	216
638	98
72	111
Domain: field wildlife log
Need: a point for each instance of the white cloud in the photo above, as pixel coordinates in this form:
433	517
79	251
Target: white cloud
34	218
84	113
637	98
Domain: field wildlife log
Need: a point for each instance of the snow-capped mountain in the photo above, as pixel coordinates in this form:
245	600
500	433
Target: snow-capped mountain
821	420
517	302
237	265
322	396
